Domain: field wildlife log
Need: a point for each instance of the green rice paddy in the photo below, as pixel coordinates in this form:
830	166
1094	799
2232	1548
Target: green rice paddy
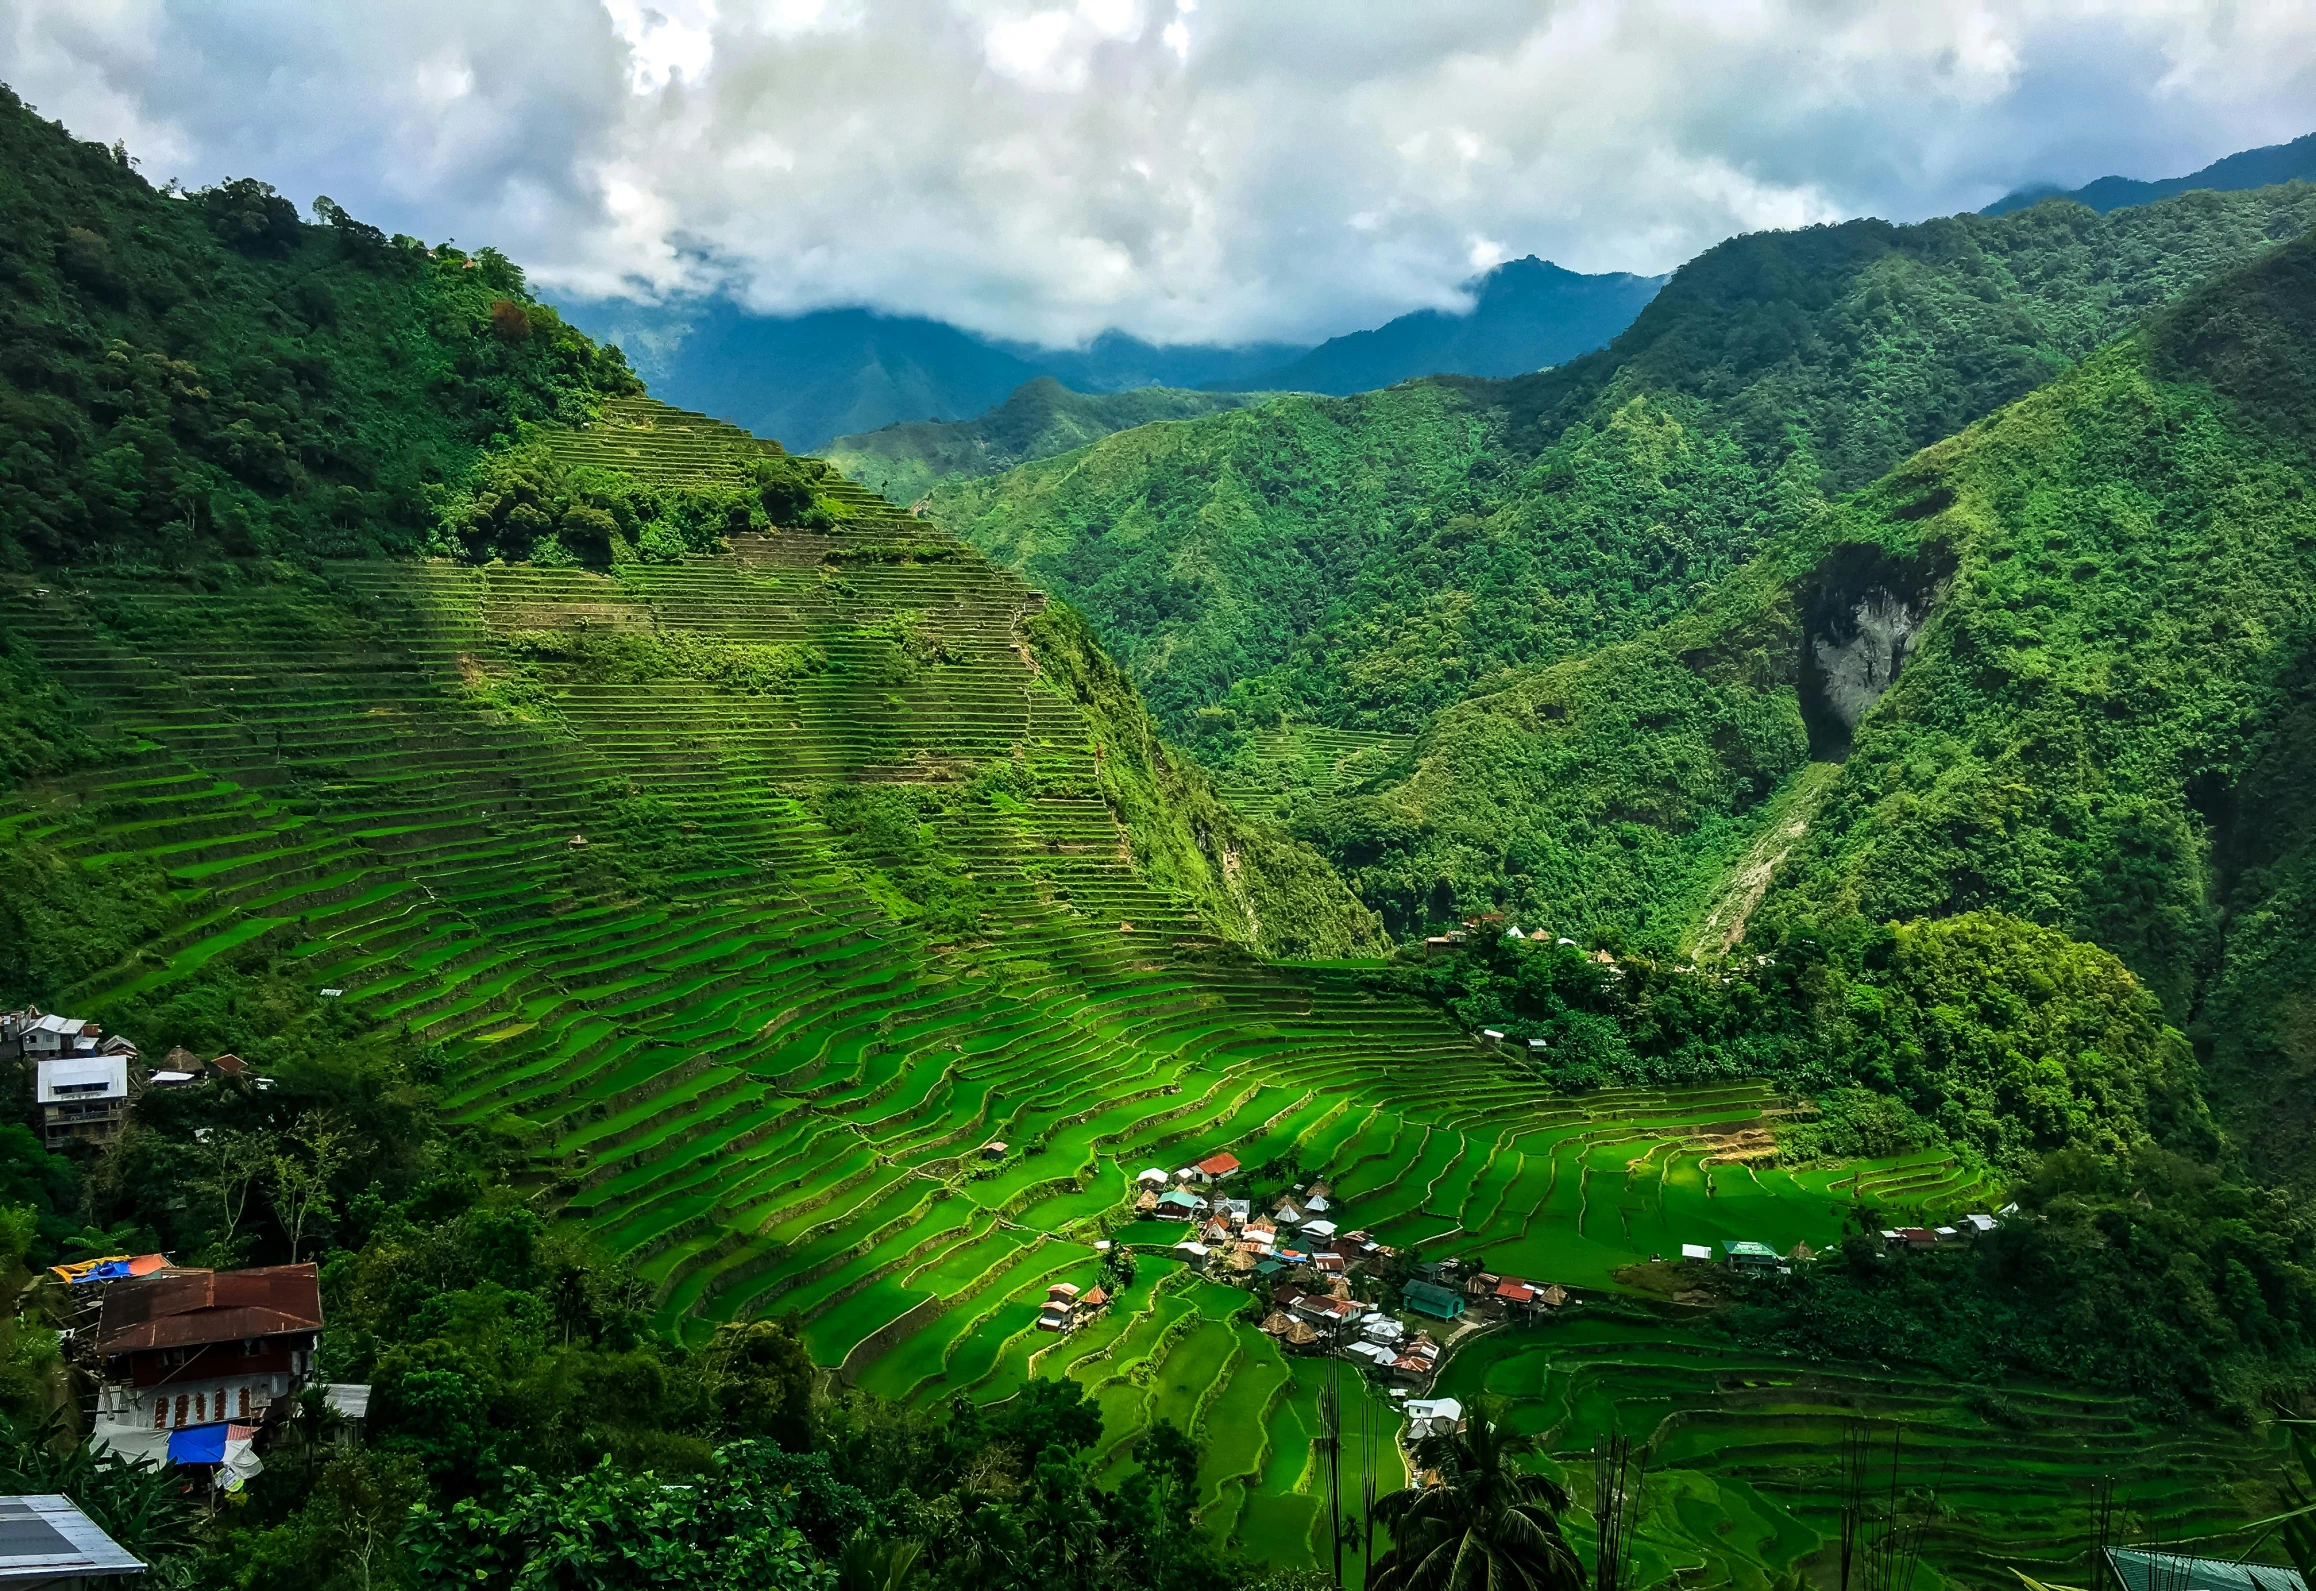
751	1064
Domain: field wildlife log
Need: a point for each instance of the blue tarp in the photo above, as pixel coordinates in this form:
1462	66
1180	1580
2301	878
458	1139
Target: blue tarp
198	1444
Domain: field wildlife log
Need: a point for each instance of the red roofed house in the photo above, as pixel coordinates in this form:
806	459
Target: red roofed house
1216	1167
187	1348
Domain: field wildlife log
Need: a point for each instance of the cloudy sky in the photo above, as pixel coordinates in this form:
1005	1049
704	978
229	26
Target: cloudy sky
1181	169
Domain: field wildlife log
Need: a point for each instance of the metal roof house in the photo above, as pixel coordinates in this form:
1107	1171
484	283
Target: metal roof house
46	1541
1749	1256
190	1348
82	1097
2138	1570
1428	1298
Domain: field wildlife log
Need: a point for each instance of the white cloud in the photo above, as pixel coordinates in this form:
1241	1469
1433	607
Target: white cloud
673	38
1045	168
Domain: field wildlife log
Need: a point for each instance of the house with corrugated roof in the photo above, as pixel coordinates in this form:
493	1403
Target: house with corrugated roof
185	1349
1429	1298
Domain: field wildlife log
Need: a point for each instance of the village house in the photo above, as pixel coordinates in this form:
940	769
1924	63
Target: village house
1060	1308
1153	1179
33	1036
181	1350
82	1097
1215	1167
1433	1417
1327	1314
1429	1298
1178	1204
1742	1255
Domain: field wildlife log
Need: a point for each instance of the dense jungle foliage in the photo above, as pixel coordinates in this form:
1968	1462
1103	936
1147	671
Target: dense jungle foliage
2151	1275
1039	419
1366	561
523	505
2002	1039
183	374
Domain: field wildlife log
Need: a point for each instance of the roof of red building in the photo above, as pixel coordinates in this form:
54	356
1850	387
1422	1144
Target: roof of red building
1219	1165
186	1309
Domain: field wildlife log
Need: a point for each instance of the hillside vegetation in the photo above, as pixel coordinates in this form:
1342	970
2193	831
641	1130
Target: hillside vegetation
1363	562
190	374
1039	419
2096	605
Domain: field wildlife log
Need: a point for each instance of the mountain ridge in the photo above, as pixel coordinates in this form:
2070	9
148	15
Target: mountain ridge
2248	168
1525	314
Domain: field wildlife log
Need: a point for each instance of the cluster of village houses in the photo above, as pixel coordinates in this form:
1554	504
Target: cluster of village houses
86	1081
189	1364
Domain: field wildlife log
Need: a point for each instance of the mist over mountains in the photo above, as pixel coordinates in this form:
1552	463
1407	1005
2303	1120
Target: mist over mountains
808	379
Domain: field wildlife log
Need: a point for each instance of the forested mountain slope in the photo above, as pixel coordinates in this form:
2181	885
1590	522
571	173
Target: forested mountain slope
1039	419
1365	561
2096	608
196	373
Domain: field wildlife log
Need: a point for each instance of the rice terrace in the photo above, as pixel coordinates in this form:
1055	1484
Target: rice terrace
777	1085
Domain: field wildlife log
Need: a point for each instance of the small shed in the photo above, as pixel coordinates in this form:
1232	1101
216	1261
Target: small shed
1153	1178
1695	1251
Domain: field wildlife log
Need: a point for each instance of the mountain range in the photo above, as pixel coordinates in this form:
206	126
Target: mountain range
808	379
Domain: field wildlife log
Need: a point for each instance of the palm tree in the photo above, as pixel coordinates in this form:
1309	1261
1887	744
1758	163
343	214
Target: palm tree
1485	1525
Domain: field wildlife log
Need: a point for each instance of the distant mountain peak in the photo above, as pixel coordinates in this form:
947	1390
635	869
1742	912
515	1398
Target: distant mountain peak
2250	168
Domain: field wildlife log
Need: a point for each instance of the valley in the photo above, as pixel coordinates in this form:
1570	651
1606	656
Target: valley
1098	1016
751	1052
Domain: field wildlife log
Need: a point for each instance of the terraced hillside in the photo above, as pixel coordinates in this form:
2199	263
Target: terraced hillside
757	892
1746	1453
1275	767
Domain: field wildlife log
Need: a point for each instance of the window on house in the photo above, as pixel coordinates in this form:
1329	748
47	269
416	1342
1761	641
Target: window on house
161	1413
251	1347
183	1403
200	1408
245	1403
